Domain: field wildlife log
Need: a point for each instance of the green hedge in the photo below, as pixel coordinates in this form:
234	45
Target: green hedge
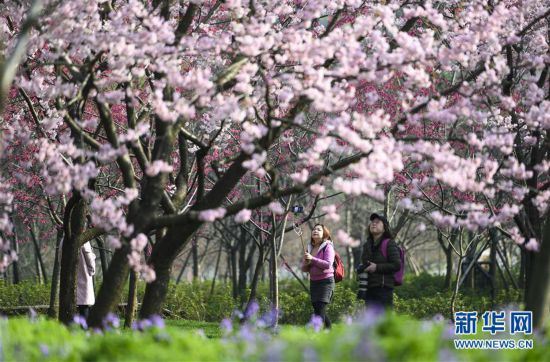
23	294
419	297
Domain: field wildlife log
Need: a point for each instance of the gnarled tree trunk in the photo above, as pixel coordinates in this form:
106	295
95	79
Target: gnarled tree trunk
75	221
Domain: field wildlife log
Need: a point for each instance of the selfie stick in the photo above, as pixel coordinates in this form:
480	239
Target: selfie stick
298	230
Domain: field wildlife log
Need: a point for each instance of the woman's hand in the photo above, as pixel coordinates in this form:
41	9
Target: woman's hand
308	257
371	268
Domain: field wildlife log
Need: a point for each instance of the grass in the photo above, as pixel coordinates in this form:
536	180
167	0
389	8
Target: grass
210	329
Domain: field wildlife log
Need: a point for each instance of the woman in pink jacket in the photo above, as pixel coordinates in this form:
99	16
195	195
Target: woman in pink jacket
318	262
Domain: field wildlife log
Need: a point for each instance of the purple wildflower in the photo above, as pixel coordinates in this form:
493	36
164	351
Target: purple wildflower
145	324
448	332
44	350
237	314
32	314
246	333
157	321
438	318
316	323
81	321
371	316
142	324
226	325
111	320
251	309
269	319
348	320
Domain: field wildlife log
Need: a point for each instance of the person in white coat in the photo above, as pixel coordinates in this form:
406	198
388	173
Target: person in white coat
84	280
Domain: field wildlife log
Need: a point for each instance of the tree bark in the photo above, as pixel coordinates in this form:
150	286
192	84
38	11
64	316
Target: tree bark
54	288
74	224
258	269
234	276
162	258
195	253
183	266
274	273
15	263
131	306
216	270
243	267
41	269
449	268
102	256
111	289
493	234
448	251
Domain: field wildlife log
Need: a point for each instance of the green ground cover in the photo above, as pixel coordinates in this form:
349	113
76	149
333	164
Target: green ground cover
370	337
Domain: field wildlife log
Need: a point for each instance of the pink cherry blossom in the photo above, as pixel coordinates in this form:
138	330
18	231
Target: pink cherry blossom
158	166
243	216
212	214
346	240
276	208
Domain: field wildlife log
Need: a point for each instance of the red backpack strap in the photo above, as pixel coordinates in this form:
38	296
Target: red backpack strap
384	247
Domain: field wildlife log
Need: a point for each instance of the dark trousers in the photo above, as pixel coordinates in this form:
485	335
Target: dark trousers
84	310
381	296
320	309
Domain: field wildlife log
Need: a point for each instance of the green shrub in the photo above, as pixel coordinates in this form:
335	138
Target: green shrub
420	297
22	294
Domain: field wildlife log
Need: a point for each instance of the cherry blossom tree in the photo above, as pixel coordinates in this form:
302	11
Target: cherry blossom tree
176	104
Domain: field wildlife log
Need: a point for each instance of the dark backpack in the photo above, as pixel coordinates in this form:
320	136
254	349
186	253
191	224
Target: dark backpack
398	275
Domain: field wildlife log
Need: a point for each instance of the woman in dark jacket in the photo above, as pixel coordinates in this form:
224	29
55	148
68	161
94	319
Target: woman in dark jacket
380	270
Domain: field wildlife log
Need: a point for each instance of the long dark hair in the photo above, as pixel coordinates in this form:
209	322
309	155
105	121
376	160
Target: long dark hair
326	233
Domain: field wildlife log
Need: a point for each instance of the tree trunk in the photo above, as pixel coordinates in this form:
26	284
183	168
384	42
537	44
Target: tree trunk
102	256
39	278
457	286
243	268
54	288
15	263
258	269
40	270
74	223
351	262
274	276
162	258
195	253
111	289
493	234
131	306
216	270
538	299
349	251
184	266
448	250
449	269
522	268
234	276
